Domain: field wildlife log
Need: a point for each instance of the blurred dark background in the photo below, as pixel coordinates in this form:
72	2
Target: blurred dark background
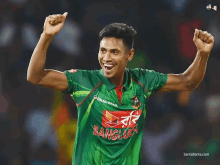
38	125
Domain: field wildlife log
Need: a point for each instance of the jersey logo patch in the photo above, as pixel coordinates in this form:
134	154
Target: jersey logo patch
72	71
120	119
135	102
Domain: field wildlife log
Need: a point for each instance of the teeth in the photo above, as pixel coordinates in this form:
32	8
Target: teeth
108	65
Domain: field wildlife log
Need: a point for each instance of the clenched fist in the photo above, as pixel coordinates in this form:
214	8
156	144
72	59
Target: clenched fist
204	41
54	23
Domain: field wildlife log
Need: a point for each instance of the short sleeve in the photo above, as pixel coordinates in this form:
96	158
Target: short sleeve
149	79
154	80
73	77
81	80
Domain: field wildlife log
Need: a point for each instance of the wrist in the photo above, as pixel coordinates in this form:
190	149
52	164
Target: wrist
203	54
47	36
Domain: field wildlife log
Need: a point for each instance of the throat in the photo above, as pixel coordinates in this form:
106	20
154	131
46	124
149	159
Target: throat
117	81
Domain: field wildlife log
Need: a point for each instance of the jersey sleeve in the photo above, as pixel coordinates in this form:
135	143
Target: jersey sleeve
154	80
76	80
151	80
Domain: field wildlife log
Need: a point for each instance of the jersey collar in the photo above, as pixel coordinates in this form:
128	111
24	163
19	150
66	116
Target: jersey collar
111	86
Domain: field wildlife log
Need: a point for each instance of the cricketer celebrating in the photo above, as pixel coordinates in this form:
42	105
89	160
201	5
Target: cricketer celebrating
112	101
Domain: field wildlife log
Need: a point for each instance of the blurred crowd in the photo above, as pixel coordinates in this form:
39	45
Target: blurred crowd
38	125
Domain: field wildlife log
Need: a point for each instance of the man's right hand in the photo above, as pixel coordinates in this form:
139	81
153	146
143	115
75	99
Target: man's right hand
54	23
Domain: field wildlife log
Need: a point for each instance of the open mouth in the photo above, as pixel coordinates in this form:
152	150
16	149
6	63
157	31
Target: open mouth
108	67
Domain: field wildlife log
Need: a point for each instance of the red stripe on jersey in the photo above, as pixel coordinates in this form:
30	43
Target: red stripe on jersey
118	90
89	94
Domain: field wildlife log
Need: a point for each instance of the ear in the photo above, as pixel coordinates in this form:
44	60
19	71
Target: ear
130	54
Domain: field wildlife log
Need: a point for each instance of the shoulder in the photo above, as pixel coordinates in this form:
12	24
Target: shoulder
139	72
79	75
82	79
72	70
82	72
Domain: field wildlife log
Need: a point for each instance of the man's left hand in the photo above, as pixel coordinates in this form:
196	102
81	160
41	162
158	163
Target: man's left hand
204	41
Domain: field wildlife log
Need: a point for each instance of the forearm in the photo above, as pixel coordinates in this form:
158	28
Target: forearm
196	71
38	59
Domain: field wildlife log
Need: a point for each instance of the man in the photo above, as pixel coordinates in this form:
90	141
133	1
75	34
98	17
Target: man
111	101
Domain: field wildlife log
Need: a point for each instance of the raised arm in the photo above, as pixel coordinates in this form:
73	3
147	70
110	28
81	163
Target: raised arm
37	74
193	76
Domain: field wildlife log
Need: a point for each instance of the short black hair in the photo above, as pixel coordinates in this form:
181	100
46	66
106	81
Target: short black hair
119	30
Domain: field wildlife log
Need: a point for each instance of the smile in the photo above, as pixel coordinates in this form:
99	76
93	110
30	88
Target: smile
108	67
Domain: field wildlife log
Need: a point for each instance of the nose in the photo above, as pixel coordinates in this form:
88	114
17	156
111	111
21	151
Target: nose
107	57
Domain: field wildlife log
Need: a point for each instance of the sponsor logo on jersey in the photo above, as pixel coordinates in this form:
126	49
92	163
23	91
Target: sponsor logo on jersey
117	125
104	101
120	119
112	120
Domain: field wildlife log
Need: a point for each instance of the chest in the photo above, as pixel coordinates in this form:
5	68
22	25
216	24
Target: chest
112	114
126	99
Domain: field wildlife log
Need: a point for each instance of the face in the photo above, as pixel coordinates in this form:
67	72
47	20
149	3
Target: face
113	57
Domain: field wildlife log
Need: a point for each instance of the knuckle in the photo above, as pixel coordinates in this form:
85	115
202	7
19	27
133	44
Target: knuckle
53	16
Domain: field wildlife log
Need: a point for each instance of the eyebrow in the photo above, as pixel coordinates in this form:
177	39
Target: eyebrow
110	49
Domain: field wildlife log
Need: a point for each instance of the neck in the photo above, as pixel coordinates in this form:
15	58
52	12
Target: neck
118	81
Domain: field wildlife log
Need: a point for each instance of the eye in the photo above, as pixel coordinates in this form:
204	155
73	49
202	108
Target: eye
103	50
115	52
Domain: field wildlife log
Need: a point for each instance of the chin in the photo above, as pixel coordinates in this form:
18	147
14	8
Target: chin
111	75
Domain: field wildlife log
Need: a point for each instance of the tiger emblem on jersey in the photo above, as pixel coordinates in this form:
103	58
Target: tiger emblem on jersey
135	102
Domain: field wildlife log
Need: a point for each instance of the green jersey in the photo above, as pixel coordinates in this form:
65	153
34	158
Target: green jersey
111	120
